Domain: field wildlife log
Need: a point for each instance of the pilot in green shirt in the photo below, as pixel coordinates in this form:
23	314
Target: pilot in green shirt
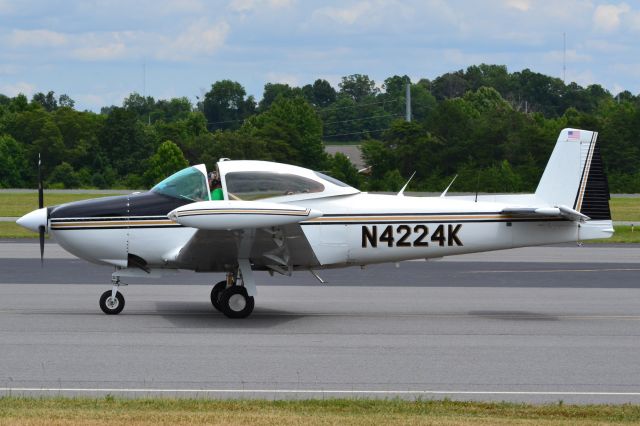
216	187
217	194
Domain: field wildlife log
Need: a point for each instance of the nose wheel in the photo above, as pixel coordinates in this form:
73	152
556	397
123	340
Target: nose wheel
110	303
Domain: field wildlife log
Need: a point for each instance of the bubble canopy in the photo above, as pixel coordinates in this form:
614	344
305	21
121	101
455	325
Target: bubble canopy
189	184
253	180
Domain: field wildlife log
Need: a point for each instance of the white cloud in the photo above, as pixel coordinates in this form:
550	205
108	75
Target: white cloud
617	88
12	90
571	55
244	6
180	6
6	6
7	69
634	21
91	101
583	78
99	98
200	38
605	46
521	5
627	69
606	17
36	38
104	52
345	15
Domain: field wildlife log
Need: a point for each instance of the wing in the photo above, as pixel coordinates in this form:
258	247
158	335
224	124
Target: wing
561	211
280	249
268	234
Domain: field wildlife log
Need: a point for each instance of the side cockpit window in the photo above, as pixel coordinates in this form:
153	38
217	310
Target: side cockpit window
189	184
259	185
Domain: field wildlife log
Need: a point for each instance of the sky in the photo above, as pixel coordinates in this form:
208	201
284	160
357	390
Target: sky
98	52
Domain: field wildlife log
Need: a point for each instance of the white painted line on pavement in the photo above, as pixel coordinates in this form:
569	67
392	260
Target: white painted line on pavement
551	270
320	391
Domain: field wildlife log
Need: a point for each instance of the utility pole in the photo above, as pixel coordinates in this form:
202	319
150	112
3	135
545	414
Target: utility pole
408	106
144	78
564	58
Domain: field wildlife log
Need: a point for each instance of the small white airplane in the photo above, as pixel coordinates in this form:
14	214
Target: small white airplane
282	218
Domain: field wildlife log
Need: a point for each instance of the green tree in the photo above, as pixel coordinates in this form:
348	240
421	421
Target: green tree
125	141
62	176
65	101
171	110
343	170
292	131
323	93
395	86
423	103
47	101
358	87
12	163
237	145
450	85
273	90
167	160
140	105
225	105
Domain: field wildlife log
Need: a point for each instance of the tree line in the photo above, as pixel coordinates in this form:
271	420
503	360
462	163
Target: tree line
493	129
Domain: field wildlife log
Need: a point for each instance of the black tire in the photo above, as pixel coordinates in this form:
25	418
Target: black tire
111	307
216	293
236	303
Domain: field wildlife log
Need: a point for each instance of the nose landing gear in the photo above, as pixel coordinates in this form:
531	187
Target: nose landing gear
112	301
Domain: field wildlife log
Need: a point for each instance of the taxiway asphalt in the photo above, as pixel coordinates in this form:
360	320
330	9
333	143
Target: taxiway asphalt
536	325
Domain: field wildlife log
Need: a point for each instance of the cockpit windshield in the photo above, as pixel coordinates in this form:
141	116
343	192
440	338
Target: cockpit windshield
189	184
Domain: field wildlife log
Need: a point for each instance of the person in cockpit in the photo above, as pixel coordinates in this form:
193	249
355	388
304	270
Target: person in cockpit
216	186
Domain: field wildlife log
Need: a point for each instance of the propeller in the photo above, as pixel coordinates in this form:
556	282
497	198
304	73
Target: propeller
41	228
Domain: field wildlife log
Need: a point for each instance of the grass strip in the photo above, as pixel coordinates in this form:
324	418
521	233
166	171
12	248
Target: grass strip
11	230
627	209
18	204
161	411
623	234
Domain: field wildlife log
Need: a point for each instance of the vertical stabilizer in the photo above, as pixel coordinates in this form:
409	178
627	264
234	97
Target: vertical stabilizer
574	176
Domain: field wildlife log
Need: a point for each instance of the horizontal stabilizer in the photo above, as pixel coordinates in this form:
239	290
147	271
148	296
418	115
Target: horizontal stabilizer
561	211
229	215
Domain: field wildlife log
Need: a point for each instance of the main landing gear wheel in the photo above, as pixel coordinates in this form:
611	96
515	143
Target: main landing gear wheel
111	305
236	303
216	293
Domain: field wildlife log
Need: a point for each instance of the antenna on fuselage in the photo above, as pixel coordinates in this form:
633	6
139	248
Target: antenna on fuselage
447	189
401	193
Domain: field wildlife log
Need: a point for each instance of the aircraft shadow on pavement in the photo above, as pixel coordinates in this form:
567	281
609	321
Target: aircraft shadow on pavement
514	315
203	315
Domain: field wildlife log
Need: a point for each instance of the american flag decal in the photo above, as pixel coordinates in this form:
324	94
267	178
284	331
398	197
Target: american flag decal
574	135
